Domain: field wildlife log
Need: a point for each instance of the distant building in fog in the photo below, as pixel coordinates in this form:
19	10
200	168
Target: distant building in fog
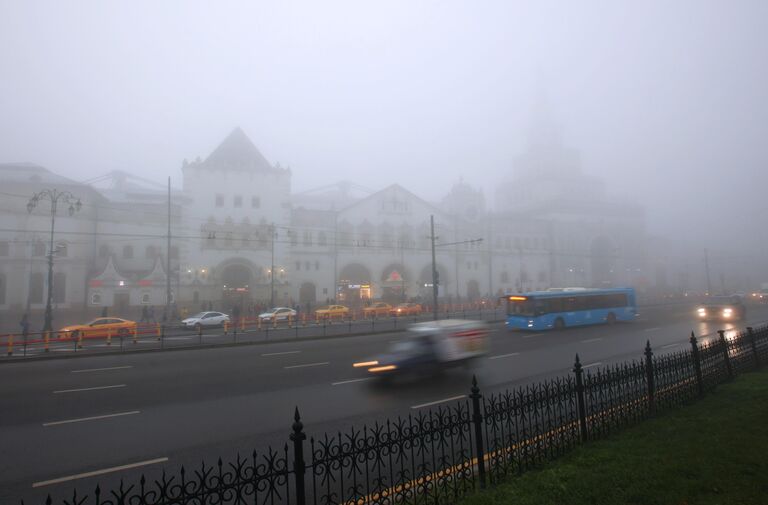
238	231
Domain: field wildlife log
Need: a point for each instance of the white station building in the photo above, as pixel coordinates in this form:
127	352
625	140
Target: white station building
240	236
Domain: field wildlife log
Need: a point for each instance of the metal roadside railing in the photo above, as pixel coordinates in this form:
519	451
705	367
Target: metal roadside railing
148	336
442	454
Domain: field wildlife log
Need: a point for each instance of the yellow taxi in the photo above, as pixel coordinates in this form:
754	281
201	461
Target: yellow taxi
100	327
377	309
332	312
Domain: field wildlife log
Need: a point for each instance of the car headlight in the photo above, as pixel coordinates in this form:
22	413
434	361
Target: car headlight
727	312
702	311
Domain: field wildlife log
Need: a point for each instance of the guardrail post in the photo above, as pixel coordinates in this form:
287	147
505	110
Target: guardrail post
47	338
226	327
242	324
135	335
697	364
162	335
199	334
159	331
10	345
650	378
726	356
580	403
109	336
299	466
753	343
79	344
477	421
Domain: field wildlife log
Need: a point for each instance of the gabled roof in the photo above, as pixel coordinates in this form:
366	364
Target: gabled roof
239	153
399	188
110	273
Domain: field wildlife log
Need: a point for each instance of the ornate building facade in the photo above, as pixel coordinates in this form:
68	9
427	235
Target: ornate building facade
239	236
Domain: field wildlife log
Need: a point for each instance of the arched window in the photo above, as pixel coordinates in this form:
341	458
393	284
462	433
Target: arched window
36	288
127	252
59	287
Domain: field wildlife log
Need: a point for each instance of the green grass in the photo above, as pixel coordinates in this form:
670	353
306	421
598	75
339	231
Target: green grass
714	451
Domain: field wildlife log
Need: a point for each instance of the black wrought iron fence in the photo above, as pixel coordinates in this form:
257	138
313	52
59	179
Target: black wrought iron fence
444	453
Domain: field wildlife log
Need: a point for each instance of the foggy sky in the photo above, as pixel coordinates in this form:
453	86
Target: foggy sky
667	101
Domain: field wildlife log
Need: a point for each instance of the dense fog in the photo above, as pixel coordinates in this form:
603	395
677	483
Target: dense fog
665	103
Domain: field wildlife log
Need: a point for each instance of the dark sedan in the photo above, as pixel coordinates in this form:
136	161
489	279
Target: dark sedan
722	308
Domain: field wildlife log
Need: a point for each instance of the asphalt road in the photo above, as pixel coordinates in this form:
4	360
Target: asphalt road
68	417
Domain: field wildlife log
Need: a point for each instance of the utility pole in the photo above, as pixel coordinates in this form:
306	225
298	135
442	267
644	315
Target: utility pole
168	260
272	268
706	269
435	275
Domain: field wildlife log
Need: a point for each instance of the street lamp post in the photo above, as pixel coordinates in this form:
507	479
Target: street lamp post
54	196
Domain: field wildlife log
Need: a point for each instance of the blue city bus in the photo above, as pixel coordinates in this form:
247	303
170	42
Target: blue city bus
561	307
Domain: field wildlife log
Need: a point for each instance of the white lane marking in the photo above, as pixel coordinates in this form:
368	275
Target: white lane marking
596	363
350	381
178	338
89	389
504	355
102	369
438	401
653	329
99	472
308	364
670	345
531	335
280	353
64	350
92	418
590	340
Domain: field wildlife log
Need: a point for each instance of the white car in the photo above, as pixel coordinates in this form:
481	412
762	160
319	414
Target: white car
205	319
278	314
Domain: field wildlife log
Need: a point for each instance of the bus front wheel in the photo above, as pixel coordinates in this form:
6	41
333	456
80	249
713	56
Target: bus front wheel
559	324
611	318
